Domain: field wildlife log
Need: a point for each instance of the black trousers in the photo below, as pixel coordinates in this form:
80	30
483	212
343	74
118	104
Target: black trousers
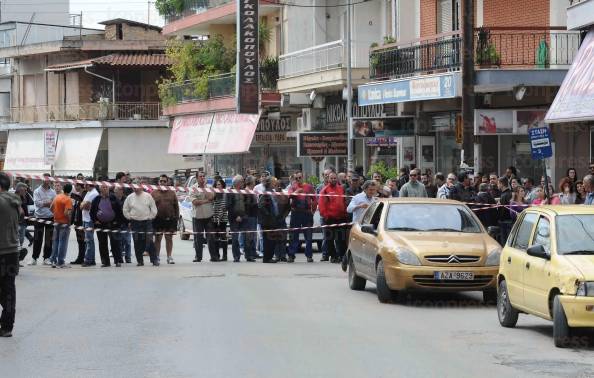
43	236
336	238
200	226
9	268
114	242
80	240
270	240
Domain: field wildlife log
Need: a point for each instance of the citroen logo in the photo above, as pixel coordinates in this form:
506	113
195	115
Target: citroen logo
453	259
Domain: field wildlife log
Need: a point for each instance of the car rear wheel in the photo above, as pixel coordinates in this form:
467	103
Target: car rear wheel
561	330
355	282
182	228
508	316
384	293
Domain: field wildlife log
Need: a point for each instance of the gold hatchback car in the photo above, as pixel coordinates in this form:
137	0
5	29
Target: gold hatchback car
547	269
421	244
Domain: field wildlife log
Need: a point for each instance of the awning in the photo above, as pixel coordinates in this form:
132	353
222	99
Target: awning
25	152
231	133
142	152
76	151
115	60
189	134
575	100
221	133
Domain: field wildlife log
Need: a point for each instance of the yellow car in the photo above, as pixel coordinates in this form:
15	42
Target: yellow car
547	269
421	244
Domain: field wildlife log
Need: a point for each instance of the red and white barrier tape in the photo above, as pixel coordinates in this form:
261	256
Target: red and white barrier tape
110	231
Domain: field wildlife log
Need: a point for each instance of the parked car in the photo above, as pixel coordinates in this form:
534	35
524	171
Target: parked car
421	244
547	269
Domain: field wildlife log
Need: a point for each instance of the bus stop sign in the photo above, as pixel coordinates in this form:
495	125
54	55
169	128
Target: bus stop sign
540	143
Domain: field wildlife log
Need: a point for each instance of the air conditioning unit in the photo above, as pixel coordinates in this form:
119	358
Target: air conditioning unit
308	118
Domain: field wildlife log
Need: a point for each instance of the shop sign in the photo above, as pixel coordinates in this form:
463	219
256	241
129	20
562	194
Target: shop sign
415	89
267	125
575	99
381	142
540	143
248	69
337	116
50	140
507	121
273	138
322	144
387	126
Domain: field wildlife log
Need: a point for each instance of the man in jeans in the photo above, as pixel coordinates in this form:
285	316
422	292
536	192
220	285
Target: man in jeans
43	197
9	256
303	207
92	193
202	212
125	236
140	210
238	205
62	209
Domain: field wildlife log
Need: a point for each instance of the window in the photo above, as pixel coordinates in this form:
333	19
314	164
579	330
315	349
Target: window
543	234
522	237
575	234
119	32
431	217
448	16
368	214
377	215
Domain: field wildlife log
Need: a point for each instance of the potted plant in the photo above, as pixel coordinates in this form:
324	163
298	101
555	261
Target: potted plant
486	53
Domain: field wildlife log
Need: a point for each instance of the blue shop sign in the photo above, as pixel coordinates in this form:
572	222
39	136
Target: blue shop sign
415	89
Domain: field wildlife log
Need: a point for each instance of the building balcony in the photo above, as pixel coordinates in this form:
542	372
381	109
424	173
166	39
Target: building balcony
130	111
321	66
199	15
502	56
580	14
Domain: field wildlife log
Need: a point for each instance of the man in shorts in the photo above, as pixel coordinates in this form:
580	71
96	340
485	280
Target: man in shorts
165	224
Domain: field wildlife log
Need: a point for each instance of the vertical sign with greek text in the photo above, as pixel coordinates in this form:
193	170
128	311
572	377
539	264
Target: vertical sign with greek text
248	76
50	140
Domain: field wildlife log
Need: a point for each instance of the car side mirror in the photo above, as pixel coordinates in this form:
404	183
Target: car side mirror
538	251
368	229
493	231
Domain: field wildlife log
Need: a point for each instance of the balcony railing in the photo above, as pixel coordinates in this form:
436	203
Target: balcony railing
217	86
192	7
314	59
87	112
496	47
525	47
438	53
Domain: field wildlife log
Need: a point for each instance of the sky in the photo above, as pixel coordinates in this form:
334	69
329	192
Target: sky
95	11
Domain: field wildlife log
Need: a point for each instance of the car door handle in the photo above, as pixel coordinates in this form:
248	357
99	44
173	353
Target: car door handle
527	265
509	259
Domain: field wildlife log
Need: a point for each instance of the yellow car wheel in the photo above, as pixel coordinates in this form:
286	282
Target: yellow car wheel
508	316
561	330
384	293
355	282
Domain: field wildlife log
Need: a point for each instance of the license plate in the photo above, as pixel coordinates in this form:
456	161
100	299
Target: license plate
454	276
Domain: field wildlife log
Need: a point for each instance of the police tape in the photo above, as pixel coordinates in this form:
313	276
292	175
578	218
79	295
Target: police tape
195	189
119	231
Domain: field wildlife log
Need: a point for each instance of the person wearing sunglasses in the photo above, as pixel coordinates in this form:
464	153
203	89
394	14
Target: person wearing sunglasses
165	223
413	188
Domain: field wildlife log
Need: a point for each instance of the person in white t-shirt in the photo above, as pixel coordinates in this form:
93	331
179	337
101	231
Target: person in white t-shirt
88	224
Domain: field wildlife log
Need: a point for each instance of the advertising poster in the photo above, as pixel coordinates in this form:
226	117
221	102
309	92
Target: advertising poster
383	127
322	144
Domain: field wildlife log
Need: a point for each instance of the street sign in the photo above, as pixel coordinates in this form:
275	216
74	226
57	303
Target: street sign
540	143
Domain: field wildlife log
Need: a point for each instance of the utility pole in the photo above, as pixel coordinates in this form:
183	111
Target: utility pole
467	68
349	92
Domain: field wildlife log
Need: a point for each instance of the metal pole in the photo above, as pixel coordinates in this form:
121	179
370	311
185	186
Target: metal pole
349	93
467	68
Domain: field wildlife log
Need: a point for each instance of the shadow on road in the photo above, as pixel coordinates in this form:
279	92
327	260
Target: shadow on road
440	300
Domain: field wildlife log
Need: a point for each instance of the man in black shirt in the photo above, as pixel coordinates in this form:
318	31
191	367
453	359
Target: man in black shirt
504	214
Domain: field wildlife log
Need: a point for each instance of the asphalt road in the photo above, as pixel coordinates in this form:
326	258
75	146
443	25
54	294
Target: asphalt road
261	320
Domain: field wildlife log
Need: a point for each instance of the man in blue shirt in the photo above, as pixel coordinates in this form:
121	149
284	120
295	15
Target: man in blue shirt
362	201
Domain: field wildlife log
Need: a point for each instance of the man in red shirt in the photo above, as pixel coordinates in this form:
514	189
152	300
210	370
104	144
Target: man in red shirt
333	210
303	207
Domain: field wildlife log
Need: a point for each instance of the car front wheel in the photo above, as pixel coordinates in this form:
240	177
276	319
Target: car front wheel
508	316
561	330
355	282
384	293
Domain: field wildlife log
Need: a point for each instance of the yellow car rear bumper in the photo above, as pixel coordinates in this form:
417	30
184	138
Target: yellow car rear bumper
407	277
578	310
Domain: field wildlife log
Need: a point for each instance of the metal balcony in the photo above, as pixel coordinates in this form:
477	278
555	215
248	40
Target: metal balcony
87	112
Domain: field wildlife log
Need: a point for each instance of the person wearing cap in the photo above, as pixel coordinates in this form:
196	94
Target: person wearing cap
43	197
140	209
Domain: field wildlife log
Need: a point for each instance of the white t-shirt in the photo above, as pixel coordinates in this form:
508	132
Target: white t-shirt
89	197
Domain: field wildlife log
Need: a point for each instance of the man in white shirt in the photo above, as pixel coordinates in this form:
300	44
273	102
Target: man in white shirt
43	197
92	193
140	209
363	200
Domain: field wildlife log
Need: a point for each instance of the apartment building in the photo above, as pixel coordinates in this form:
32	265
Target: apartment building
95	93
522	53
263	142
